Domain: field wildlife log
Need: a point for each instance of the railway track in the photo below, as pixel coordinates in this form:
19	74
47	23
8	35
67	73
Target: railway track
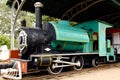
69	73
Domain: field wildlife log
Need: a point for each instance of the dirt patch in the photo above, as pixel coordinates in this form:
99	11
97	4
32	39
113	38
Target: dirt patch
103	72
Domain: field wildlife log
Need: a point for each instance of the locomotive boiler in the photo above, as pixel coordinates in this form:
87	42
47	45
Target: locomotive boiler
52	37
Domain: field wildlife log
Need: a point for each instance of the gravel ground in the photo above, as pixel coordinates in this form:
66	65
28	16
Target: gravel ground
108	74
103	72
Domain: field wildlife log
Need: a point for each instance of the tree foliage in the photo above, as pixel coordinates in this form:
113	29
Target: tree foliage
5	22
5	19
5	40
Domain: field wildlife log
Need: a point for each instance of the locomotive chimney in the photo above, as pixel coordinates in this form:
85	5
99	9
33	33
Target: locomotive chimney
38	14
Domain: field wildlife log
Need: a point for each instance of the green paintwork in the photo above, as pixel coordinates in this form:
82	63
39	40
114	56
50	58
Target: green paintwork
108	43
69	38
67	46
102	38
80	37
66	32
100	28
110	51
105	48
90	27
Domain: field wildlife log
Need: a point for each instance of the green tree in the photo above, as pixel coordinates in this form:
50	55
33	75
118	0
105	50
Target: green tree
5	40
5	22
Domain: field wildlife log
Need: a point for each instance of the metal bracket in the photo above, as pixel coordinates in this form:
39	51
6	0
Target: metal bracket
14	16
14	72
78	8
110	17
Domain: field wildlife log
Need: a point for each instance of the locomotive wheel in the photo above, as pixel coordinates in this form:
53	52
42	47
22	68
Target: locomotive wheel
95	62
79	60
53	70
